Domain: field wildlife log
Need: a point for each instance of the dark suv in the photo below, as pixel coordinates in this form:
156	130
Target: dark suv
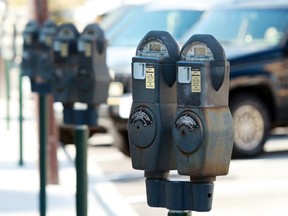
254	36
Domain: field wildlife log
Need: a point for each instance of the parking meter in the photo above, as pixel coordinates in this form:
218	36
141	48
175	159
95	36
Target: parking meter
46	65
154	103
29	64
92	77
21	23
203	128
65	57
8	34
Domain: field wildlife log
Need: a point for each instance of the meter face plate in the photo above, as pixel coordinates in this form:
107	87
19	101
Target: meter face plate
142	127
153	48
197	51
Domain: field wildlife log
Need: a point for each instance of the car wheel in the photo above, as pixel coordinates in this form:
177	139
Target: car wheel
120	136
251	125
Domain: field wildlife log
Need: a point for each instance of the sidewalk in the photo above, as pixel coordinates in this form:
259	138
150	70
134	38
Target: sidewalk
19	185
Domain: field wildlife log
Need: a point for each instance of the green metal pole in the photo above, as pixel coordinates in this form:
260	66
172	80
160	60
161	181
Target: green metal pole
20	120
42	151
81	136
7	75
179	213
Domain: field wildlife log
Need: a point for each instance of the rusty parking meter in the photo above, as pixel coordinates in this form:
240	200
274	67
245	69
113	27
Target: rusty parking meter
29	64
203	128
92	77
46	66
154	103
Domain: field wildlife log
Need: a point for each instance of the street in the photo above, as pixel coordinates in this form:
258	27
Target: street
256	186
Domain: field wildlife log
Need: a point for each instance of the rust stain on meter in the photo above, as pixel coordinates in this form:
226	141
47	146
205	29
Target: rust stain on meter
150	77
196	80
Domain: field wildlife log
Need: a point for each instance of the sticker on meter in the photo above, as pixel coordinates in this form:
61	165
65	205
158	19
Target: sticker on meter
184	74
57	46
48	41
150	77
88	50
28	39
64	50
196	80
139	70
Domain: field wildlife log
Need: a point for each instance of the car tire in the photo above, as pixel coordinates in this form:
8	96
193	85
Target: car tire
251	125
121	141
119	134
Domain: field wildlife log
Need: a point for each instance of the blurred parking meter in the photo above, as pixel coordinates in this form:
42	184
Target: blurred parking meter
37	64
30	55
45	64
8	33
28	65
92	78
201	125
21	23
19	29
65	56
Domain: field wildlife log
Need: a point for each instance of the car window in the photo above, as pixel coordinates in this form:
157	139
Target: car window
118	17
130	32
245	26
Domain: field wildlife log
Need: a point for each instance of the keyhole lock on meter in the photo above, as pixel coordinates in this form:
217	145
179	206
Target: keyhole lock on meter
203	128
154	102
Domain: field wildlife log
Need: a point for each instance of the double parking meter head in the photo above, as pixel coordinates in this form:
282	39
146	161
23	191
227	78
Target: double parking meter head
46	36
203	128
29	64
154	102
65	56
92	78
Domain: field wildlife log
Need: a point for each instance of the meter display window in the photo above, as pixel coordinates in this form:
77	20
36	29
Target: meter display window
153	48
197	51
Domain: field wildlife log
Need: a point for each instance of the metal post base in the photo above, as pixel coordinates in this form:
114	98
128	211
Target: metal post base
179	195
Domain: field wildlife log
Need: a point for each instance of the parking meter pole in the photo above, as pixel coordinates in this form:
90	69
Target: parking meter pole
20	120
179	213
7	75
81	136
42	151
